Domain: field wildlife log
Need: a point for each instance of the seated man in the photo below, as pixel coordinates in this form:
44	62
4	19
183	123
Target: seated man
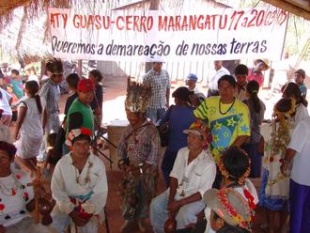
193	173
79	186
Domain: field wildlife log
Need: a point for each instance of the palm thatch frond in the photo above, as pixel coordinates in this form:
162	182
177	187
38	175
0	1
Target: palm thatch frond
32	7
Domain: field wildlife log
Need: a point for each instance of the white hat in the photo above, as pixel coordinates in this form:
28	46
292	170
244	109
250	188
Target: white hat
156	58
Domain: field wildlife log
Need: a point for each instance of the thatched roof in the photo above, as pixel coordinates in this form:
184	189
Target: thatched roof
297	7
31	45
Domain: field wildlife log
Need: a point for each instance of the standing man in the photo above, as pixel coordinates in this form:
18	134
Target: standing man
256	73
138	154
241	75
212	82
80	113
50	92
197	97
228	117
159	80
298	154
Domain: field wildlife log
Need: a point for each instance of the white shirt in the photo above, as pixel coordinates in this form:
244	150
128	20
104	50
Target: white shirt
301	144
68	182
5	102
215	77
197	176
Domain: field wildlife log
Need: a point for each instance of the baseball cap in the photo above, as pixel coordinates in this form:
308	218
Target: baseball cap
191	76
86	85
229	205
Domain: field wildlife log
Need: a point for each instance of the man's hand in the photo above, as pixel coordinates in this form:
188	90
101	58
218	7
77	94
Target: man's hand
74	215
174	207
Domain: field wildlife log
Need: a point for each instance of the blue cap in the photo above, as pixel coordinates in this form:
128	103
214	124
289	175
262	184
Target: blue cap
192	77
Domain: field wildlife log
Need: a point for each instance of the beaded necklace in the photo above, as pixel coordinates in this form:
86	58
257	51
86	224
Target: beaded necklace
77	174
220	107
11	191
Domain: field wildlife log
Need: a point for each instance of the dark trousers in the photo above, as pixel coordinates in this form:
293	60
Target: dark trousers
167	165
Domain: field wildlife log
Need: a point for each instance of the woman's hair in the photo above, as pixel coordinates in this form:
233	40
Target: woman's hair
97	75
54	66
291	90
182	93
33	87
235	165
9	148
252	88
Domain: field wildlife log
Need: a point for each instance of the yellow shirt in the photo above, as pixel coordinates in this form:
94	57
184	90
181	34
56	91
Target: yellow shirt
226	121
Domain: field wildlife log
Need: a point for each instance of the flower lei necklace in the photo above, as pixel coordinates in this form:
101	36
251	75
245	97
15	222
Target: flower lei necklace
77	174
230	107
11	191
242	221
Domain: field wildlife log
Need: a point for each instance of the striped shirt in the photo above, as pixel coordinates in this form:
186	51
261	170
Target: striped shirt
159	82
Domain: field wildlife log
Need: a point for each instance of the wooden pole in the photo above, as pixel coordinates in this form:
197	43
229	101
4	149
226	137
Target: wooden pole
154	5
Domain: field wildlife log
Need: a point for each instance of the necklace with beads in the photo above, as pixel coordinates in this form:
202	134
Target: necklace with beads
78	174
230	107
11	191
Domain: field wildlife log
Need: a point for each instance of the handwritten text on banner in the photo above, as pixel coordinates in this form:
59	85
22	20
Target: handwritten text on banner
214	34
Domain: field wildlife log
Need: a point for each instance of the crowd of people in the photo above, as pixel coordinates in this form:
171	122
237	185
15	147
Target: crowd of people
214	147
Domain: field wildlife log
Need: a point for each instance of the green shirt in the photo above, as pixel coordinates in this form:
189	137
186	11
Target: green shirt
84	115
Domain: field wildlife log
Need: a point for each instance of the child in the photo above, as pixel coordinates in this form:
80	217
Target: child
29	127
52	156
230	211
299	77
14	102
234	166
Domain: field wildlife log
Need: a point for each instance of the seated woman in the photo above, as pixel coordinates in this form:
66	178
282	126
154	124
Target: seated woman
15	196
79	186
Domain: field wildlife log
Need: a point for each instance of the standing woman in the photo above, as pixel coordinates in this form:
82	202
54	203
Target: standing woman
179	117
96	104
29	128
291	90
257	110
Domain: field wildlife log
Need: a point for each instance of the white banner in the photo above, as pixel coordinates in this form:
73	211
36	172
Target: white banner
215	34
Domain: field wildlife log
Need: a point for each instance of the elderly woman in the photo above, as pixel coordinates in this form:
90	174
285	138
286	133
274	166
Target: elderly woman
15	194
79	186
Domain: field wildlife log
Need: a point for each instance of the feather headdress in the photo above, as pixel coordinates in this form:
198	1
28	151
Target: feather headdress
138	96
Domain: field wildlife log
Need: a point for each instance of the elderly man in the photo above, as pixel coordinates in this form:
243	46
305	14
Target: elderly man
197	97
219	71
159	80
138	153
192	175
79	186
